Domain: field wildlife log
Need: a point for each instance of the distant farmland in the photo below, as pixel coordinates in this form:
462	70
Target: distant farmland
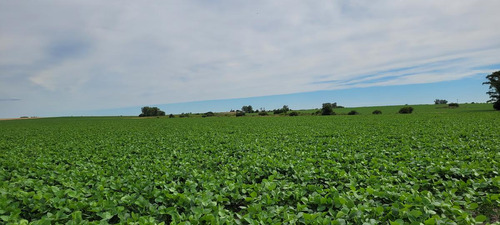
438	165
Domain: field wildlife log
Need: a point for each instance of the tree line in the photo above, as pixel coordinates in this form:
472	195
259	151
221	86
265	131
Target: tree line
493	80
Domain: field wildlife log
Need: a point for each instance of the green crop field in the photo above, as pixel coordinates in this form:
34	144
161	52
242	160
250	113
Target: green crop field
436	166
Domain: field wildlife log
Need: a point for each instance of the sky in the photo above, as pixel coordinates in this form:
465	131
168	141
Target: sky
62	58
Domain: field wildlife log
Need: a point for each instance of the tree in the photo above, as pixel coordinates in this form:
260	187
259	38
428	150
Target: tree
247	109
494	92
327	109
151	111
285	109
440	101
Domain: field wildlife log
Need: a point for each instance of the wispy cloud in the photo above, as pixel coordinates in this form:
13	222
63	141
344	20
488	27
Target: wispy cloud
9	99
100	54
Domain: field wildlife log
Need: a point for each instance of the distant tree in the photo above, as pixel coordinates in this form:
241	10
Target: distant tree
353	112
151	111
247	109
208	114
171	116
453	105
293	113
406	110
377	112
285	109
262	113
494	92
327	109
183	115
277	111
440	101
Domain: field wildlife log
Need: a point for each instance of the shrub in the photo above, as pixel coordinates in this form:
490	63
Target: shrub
377	112
182	115
171	116
240	113
263	113
406	110
353	112
294	113
453	105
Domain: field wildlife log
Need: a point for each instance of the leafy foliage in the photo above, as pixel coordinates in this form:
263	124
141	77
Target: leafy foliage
453	105
294	113
424	169
377	112
263	113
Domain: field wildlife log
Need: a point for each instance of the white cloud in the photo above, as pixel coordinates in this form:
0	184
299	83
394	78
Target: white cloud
96	54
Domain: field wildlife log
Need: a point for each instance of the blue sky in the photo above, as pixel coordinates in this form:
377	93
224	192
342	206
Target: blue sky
60	58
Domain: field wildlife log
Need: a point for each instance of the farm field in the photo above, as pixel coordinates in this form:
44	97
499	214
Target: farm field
435	166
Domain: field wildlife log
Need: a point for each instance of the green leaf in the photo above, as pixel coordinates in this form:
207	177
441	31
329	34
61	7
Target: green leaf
106	215
430	221
473	206
415	213
481	218
397	222
5	218
76	216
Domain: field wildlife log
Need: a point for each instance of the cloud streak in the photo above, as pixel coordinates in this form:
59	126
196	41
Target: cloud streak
9	99
92	55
